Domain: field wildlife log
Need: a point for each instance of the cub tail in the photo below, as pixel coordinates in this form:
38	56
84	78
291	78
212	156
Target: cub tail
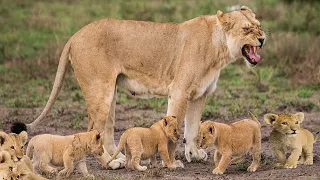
121	145
254	118
316	137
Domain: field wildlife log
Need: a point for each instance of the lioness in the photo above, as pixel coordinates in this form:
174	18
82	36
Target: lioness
288	136
180	61
143	143
235	139
64	150
13	143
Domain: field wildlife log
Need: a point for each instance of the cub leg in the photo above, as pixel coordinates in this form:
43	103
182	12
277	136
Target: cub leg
136	150
153	162
293	158
82	167
163	150
192	123
225	160
280	154
68	164
302	157
44	162
308	153
128	164
216	158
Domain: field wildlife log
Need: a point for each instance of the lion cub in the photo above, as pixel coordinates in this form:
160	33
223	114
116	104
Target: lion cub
235	139
64	150
142	143
288	136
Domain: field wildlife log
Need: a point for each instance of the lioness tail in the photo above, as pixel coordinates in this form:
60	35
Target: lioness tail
121	145
254	118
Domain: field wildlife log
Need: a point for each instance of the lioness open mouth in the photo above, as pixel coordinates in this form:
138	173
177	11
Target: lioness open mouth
250	53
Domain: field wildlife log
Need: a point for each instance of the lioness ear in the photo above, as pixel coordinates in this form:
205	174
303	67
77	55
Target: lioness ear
243	8
24	137
98	136
300	116
270	118
211	129
3	136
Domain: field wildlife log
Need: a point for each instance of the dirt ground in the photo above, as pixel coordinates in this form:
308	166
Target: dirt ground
60	122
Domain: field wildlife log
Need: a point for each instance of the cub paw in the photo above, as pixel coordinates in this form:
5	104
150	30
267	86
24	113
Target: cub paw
179	164
142	168
290	165
252	169
308	162
89	176
217	171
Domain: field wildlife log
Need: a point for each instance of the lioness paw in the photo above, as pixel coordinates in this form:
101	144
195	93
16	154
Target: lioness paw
117	164
142	168
195	154
217	171
179	164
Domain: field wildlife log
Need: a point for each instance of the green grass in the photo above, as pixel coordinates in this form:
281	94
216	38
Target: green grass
33	34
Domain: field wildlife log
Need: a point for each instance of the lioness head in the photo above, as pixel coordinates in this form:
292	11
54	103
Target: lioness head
207	134
244	34
288	124
13	143
6	166
93	141
171	128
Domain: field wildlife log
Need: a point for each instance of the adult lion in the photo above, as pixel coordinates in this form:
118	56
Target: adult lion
181	61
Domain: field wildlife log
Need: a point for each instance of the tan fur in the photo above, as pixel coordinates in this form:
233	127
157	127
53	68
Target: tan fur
283	139
180	61
13	143
25	171
66	151
235	139
6	166
143	143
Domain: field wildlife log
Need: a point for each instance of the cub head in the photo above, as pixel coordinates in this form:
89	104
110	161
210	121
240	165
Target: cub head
13	143
207	134
6	166
244	34
171	128
93	140
288	124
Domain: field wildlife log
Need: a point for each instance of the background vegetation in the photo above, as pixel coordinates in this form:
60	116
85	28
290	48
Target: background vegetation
33	33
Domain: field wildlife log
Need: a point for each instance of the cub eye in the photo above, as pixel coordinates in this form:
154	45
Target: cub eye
284	123
203	137
246	28
297	122
18	176
21	147
175	130
12	147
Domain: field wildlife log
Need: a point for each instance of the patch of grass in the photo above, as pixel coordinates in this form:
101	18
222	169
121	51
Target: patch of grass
305	93
242	166
77	120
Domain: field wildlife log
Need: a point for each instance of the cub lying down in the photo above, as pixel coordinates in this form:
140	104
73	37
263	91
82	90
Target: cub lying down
235	139
64	151
288	136
143	143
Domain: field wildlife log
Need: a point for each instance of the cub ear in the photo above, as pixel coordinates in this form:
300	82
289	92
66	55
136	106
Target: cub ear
211	129
4	157
270	118
219	16
24	137
165	120
300	116
3	137
98	136
243	8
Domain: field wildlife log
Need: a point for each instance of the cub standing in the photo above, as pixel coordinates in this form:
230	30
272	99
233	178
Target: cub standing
64	150
235	139
142	143
288	136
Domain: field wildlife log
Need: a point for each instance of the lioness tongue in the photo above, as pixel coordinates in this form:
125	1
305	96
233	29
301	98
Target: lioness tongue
253	55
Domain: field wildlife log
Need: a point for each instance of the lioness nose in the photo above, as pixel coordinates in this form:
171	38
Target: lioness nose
261	40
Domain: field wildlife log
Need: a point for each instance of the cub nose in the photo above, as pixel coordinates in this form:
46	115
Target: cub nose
261	40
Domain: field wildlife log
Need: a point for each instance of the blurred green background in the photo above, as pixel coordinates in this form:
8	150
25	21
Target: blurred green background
33	33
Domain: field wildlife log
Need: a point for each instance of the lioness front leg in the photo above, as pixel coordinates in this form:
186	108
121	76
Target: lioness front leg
293	158
192	123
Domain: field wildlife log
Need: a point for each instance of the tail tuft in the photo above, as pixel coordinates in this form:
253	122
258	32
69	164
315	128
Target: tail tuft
18	127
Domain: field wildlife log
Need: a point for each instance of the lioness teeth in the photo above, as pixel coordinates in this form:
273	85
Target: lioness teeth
254	49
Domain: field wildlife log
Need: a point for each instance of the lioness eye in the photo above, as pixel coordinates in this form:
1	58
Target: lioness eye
284	123
12	147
